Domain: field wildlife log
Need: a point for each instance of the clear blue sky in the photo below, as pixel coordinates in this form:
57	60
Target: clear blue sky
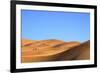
66	26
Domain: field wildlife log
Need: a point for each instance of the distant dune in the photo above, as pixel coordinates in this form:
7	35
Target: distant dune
52	50
26	42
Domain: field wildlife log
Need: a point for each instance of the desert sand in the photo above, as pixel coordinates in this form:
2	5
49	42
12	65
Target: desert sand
53	50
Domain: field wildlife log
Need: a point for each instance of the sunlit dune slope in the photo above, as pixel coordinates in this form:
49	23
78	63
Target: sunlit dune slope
26	42
48	50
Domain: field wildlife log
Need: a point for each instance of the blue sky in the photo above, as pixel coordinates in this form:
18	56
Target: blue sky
66	26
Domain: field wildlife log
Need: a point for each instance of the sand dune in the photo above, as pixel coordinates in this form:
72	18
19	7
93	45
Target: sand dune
27	42
50	50
84	51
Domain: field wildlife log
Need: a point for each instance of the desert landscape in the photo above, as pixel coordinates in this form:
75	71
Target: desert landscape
53	50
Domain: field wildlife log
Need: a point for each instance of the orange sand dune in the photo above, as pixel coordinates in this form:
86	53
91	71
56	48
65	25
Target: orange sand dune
48	50
81	51
26	42
84	52
45	50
